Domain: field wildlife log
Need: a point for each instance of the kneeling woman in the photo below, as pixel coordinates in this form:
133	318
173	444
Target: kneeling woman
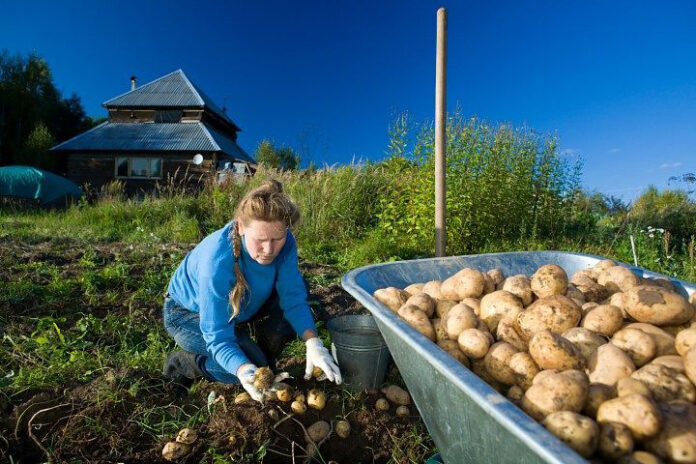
247	271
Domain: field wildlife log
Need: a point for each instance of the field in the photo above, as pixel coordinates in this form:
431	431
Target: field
81	292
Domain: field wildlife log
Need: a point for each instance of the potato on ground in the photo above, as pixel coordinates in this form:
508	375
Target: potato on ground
473	343
663	340
597	393
577	431
609	364
424	302
584	340
392	297
524	369
630	386
684	341
658	306
432	288
604	320
397	395
521	286
638	345
496	305
551	351
413	289
676	440
555	392
665	384
556	313
615	440
451	347
640	414
418	320
497	362
459	318
467	283
618	279
508	331
548	280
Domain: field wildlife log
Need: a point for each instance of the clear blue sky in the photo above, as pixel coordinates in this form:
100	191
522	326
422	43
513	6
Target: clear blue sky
615	80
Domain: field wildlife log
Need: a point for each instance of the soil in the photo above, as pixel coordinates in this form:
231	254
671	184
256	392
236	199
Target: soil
120	416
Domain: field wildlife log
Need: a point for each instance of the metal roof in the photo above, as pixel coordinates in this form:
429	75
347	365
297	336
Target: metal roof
174	90
193	136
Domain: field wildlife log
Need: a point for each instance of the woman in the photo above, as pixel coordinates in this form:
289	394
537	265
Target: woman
247	271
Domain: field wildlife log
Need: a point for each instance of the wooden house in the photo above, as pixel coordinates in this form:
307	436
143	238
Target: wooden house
164	127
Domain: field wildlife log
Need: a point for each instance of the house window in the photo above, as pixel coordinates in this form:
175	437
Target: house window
138	167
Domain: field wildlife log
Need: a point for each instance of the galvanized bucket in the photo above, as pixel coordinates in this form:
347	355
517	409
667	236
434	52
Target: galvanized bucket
360	351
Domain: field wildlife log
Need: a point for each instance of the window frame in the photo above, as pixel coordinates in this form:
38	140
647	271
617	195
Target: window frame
129	167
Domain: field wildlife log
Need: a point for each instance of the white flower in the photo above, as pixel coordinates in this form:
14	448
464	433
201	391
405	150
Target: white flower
651	235
662	231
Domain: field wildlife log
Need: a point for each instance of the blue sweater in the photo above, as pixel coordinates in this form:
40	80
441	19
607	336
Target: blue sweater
205	277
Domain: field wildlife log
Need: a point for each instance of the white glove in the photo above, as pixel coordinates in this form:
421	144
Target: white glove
318	356
245	374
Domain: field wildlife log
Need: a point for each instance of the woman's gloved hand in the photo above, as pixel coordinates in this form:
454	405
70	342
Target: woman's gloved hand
245	374
318	356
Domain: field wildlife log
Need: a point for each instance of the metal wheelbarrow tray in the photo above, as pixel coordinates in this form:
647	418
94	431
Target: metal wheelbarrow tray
469	421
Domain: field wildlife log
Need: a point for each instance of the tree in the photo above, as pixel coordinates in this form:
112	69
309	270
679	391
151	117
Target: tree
32	106
283	158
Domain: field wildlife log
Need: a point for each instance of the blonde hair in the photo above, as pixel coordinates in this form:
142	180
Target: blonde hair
266	203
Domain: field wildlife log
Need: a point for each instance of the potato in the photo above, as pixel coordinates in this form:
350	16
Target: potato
597	393
551	351
382	405
298	407
283	391
579	432
672	361
263	378
440	333
467	283
660	282
542	375
418	320
589	273
488	284
655	305
615	440
497	276
663	340
432	288
584	340
316	399
496	305
684	341
478	367
508	331
174	451
665	383
402	411
524	369
242	398
549	280
603	265
451	347
618	279
413	289
690	364
630	386
638	345
424	302
459	317
608	364
637	412
521	286
619	300
187	436
473	343
318	431
640	457
515	394
473	303
604	320
555	392
556	313
343	428
397	395
392	297
676	440
576	295
442	306
497	362
587	307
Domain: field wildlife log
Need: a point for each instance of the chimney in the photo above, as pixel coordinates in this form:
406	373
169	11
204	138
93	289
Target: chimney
132	83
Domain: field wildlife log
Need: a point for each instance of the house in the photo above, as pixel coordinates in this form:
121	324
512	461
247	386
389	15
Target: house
164	128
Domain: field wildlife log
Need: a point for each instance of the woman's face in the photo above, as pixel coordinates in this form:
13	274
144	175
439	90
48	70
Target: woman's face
263	240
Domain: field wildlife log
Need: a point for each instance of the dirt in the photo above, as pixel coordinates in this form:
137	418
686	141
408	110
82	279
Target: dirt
121	416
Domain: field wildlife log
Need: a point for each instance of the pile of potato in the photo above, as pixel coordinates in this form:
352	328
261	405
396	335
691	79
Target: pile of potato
606	360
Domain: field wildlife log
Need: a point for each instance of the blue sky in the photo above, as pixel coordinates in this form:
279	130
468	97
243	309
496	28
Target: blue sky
616	81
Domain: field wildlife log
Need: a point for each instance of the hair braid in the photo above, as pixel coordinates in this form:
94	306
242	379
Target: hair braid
237	293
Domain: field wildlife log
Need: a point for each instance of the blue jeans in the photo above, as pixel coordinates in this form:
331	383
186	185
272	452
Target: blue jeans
272	332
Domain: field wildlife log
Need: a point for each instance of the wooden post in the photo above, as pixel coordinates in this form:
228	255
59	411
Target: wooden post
440	133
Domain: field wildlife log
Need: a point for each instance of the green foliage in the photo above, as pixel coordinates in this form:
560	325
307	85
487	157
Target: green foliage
669	209
37	145
283	158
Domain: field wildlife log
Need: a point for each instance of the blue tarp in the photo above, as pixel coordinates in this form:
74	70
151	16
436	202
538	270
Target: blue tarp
31	183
